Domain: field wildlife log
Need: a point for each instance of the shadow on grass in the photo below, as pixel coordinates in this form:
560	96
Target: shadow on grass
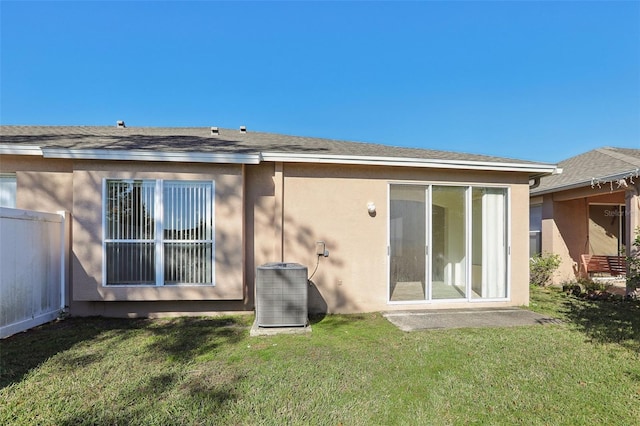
25	351
177	339
606	321
184	339
166	357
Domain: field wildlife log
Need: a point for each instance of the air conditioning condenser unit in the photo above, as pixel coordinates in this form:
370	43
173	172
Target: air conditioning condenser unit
281	295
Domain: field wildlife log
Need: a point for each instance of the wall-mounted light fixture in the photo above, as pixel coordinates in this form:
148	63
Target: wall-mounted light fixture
371	208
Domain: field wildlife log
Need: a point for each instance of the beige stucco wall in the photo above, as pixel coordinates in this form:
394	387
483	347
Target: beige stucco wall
564	231
76	186
262	236
87	232
264	213
43	185
329	203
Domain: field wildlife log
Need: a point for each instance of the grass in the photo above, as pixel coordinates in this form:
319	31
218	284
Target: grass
351	370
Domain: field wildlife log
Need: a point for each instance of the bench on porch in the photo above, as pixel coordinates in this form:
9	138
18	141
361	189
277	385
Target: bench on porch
614	266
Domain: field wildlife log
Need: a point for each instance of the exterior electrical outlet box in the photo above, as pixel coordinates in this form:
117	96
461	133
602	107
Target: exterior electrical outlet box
281	295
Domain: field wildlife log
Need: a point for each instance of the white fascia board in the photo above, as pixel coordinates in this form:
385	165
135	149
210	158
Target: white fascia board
540	169
20	150
140	155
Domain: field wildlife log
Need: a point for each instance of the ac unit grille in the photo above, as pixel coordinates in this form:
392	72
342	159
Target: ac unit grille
281	295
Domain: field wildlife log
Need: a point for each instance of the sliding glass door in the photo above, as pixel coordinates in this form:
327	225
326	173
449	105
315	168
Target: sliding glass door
407	242
447	243
489	249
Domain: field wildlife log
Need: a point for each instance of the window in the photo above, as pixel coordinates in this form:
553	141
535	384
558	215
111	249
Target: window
448	243
8	186
535	229
158	232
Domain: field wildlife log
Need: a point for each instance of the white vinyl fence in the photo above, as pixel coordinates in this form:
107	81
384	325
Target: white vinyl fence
33	268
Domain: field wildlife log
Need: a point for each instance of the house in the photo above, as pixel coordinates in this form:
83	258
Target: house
593	207
175	221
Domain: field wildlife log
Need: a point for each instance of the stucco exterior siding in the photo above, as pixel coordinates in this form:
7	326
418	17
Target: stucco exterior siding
329	203
564	229
275	196
263	213
519	220
87	233
262	231
44	185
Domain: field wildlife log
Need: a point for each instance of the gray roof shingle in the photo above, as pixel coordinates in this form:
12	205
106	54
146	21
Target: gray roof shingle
200	139
596	164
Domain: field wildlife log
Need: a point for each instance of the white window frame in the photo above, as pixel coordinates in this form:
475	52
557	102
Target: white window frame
536	232
468	242
159	241
8	190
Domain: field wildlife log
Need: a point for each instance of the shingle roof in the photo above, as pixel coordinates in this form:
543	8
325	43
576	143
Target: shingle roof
200	139
599	163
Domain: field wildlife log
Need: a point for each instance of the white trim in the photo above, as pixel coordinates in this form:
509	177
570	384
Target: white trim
468	246
211	210
428	239
451	183
388	225
103	203
151	155
158	233
20	150
257	158
509	225
159	240
468	197
411	162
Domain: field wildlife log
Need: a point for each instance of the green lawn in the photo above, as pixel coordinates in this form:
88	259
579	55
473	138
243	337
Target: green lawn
351	370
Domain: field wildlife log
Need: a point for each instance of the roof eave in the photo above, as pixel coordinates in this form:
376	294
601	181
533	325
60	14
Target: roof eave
534	169
132	155
588	182
20	150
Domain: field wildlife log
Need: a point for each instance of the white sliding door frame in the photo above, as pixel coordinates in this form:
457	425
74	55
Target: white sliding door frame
468	243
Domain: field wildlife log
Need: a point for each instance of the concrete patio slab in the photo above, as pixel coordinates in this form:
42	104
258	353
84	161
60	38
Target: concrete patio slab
466	318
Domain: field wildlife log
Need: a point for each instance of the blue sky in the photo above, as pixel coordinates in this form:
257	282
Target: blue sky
531	80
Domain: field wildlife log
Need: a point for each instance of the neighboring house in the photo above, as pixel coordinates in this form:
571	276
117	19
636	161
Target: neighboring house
591	208
170	221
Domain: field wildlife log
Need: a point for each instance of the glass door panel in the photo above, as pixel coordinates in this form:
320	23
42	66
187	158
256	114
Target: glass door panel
407	243
448	243
489	245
